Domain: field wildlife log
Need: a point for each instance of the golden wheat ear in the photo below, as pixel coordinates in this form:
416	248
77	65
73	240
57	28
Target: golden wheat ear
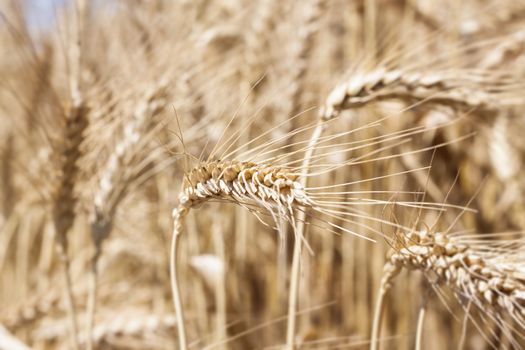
484	272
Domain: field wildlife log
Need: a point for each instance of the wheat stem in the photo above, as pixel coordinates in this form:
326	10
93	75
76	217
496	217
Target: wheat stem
420	323
178	219
299	235
389	272
220	286
294	289
92	296
70	299
378	317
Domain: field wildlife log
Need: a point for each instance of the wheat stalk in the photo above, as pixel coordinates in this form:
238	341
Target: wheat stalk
299	236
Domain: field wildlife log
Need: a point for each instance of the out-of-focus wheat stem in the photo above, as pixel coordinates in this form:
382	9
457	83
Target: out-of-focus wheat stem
69	295
295	273
92	294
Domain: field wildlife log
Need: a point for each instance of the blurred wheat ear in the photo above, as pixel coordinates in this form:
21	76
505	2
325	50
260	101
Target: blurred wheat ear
117	178
65	200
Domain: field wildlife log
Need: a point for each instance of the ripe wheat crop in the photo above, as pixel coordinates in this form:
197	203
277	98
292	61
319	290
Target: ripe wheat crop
306	160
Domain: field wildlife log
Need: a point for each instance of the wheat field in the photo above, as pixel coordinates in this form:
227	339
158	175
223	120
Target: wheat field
234	174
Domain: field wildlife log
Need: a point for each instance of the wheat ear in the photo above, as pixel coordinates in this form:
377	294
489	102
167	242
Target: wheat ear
273	188
452	88
115	181
487	274
65	200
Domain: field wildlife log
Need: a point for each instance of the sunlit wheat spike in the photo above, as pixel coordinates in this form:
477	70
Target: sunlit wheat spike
274	188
